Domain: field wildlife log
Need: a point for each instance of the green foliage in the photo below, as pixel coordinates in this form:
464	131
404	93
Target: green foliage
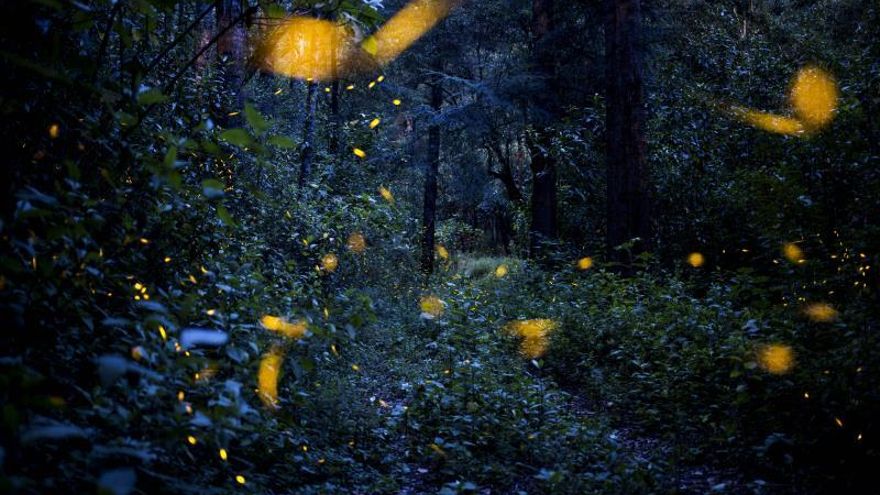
150	199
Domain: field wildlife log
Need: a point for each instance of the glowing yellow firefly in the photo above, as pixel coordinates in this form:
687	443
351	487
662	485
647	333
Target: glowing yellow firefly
386	194
821	312
696	260
356	243
777	359
359	153
813	97
329	263
303	48
374	123
585	263
501	271
442	252
534	334
793	253
432	307
280	325
267	377
408	25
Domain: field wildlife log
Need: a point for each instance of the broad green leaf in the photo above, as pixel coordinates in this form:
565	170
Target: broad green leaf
281	141
225	216
151	97
238	137
212	188
255	119
170	156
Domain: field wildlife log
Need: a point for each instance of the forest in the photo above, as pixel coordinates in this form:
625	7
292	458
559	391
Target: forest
440	246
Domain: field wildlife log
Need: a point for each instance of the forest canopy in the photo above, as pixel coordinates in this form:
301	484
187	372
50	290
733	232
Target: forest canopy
439	246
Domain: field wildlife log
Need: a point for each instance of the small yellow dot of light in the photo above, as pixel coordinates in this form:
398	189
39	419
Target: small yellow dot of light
240	479
191	439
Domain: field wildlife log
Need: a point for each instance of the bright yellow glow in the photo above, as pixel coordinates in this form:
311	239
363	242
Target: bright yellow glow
369	45
386	194
371	85
329	263
350	87
432	307
302	48
408	25
396	102
240	479
772	122
223	454
777	359
696	260
442	252
355	367
374	123
793	253
192	440
585	263
821	312
54	131
501	271
534	334
291	330
167	259
267	377
380	78
163	333
359	152
356	243
814	96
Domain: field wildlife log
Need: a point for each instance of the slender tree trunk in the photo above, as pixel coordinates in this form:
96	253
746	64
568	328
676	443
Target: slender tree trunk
505	174
628	205
308	147
335	139
230	49
543	227
429	208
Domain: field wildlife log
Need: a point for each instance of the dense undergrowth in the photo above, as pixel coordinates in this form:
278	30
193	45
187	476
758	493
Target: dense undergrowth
137	214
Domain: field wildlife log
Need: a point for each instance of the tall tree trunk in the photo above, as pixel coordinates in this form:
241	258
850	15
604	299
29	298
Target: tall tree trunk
628	207
505	174
308	147
543	227
231	47
335	138
429	208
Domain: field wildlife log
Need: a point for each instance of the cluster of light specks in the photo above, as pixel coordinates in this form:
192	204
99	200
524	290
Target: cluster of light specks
779	358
